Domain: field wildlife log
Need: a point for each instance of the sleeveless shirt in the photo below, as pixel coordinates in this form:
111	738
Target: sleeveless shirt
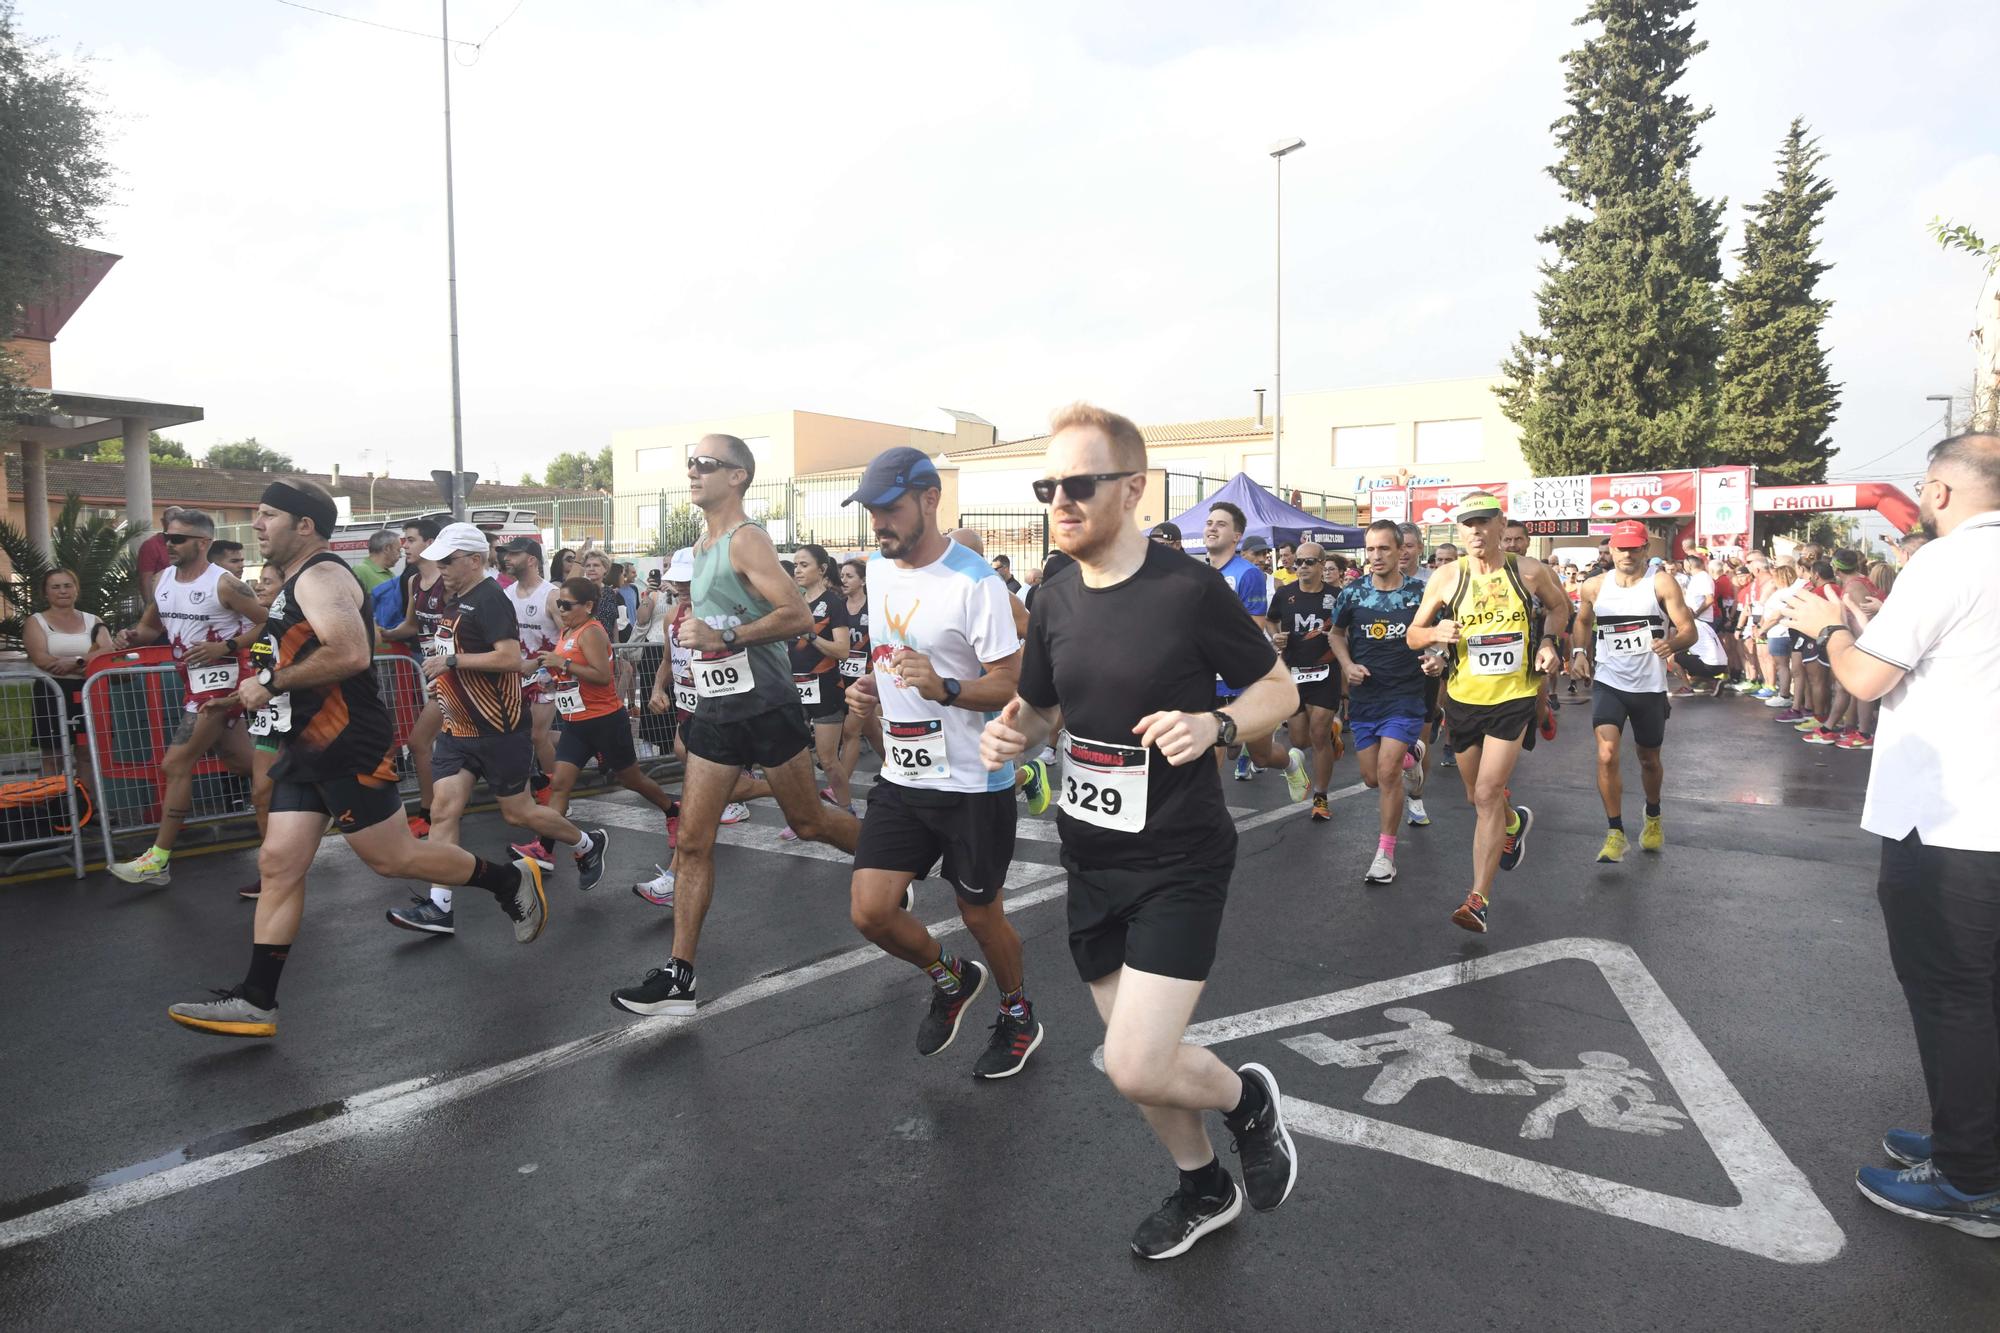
340	729
1492	613
1626	617
723	601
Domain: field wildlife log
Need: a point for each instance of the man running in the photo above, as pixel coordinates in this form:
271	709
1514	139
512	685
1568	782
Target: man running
205	614
314	686
1386	682
1489	698
1514	541
534	601
946	656
1221	535
1635	621
1122	655
424	598
1418	775
746	709
1299	617
475	675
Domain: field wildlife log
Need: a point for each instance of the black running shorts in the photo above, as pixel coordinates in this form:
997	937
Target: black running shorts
909	829
1433	693
352	803
1322	693
504	760
1469	724
608	737
768	739
1162	918
830	709
1647	712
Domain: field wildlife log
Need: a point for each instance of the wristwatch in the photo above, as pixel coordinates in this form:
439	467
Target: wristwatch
265	676
1826	636
1225	728
729	637
451	662
951	689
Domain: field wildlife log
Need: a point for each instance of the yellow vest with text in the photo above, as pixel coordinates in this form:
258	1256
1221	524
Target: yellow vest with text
1488	605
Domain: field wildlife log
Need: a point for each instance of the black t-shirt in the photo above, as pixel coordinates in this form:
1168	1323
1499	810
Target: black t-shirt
1306	616
479	703
829	613
1110	656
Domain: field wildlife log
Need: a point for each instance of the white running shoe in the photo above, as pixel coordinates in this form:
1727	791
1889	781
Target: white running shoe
1413	810
1298	782
1413	776
1381	870
659	890
735	812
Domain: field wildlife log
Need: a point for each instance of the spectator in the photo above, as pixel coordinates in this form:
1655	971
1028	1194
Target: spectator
628	594
379	565
1166	534
1005	569
559	563
153	556
227	554
60	640
597	568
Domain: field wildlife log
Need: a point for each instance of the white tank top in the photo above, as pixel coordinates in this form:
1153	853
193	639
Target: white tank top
66	642
193	612
531	614
1629	621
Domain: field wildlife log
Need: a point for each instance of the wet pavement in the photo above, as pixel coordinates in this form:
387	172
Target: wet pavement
1637	1103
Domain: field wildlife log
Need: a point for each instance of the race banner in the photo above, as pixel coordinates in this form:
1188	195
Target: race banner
1643	495
1434	504
1803	499
1391	502
1549	498
1724	516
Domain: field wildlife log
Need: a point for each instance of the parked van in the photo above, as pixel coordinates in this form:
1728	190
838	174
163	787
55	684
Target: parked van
350	540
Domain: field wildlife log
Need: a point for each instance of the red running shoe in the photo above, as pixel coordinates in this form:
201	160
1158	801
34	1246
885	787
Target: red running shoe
1549	726
419	827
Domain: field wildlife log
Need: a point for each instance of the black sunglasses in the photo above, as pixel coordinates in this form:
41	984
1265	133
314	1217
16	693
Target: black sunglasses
176	538
707	463
562	605
1081	487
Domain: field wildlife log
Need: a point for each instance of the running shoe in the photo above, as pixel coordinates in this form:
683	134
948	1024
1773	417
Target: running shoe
1413	762
144	869
536	851
528	906
1824	736
941	1021
423	916
1450	759
1572	688
1790	714
590	864
1339	740
1471	914
1776	701
1807	722
1862	741
910	896
1298	782
1715	691
227	1015
1245	770
1653	836
1263	1145
1549	725
1516	849
541	785
1382	870
665	990
1036	788
253	890
1613	850
734	813
420	827
1680	692
1321	812
1922	1192
1184	1219
1555	703
659	890
1907	1146
1007	1050
1413	810
1764	692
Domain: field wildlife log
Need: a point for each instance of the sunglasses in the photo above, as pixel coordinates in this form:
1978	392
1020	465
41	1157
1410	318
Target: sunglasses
562	605
707	463
176	538
1080	487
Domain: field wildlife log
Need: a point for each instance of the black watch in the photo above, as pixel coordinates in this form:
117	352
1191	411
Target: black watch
1826	636
1225	728
451	662
951	689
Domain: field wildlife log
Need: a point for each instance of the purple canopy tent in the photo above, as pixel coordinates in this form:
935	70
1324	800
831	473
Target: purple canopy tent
1269	517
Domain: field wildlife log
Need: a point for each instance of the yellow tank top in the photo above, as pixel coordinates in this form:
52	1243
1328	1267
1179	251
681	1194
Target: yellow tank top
1493	661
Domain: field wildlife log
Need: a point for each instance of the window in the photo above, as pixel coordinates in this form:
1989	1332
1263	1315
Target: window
1262	469
1462	441
1364	446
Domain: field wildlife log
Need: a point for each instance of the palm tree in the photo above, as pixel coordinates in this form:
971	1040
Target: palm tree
98	549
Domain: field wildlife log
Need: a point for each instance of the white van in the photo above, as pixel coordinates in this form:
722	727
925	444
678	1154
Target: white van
350	540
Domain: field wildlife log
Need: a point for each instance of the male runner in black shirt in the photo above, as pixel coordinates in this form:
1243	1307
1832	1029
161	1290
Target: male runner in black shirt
1122	655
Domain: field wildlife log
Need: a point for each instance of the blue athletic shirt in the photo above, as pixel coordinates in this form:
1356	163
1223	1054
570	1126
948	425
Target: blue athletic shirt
1253	589
1377	624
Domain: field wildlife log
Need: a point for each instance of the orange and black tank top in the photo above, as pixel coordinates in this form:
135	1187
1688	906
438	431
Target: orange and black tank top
577	699
337	730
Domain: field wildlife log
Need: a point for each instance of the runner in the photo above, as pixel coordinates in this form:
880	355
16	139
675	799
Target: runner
1630	623
746	710
817	656
1514	541
314	686
1490	694
534	601
595	722
1122	655
946	657
1031	779
424	598
263	742
476	676
205	614
863	723
1417	776
1221	534
1386	681
1300	615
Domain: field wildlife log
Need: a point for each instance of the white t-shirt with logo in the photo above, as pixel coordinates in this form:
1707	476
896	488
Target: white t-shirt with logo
956	612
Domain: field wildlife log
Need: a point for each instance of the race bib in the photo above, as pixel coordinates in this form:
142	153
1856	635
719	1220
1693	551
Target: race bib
216	678
1495	654
684	696
1311	675
1104	784
275	716
916	751
436	647
1625	639
568	699
808	688
723	674
853	665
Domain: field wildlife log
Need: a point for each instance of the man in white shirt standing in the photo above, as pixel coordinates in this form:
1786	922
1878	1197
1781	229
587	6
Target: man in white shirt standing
1929	656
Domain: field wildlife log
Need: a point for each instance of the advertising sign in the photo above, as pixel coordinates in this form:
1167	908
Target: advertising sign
1724	517
1643	495
1546	499
1392	504
1803	499
1434	504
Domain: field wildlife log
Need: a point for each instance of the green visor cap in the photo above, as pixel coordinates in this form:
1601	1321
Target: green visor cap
1476	506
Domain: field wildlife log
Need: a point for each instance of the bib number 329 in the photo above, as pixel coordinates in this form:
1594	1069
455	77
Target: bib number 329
1104	784
917	751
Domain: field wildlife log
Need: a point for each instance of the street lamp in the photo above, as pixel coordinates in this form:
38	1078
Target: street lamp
1944	398
1278	152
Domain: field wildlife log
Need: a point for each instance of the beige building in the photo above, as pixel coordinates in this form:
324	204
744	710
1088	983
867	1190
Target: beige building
785	444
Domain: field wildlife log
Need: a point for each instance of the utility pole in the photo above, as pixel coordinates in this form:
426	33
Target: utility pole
451	283
1278	152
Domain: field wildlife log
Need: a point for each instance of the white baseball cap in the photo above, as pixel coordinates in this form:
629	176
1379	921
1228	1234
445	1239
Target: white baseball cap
681	568
454	538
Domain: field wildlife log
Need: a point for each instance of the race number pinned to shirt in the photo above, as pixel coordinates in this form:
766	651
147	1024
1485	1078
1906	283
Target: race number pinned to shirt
808	688
1625	639
1104	784
719	674
273	718
1311	675
853	666
1496	654
684	696
568	697
917	751
215	679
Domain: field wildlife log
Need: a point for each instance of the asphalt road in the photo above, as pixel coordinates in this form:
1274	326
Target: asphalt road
1657	1083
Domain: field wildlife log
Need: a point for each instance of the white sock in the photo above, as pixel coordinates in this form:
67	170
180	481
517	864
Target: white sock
441	896
583	843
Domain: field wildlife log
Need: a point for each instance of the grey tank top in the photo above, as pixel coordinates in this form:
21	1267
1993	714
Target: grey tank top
724	601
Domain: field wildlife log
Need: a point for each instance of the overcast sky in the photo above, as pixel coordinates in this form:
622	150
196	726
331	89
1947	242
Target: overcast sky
676	210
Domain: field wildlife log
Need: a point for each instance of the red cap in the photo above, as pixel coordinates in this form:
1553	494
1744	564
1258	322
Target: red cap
1630	534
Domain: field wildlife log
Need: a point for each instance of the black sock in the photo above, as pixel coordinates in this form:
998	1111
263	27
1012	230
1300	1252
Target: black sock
260	987
424	813
1652	809
1251	1102
498	878
1616	821
1208	1182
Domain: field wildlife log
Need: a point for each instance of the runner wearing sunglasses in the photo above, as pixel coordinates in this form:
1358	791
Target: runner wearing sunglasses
746	709
1221	534
1300	616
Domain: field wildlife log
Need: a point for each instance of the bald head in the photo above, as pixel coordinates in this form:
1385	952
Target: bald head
969	539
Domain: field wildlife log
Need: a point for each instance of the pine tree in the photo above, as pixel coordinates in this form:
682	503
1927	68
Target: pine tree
1777	399
1621	374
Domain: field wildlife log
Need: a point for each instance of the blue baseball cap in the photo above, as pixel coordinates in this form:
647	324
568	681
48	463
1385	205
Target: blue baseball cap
893	472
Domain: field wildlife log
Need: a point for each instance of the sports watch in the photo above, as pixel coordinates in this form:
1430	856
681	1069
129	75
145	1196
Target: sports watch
951	689
729	637
1225	728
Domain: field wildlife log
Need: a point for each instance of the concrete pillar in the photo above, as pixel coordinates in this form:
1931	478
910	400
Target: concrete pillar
35	495
138	475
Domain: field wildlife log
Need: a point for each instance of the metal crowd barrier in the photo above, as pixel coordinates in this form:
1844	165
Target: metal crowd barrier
35	746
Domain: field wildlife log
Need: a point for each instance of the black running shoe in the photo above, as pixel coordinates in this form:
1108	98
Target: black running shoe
1515	850
941	1022
1264	1146
666	990
1007	1051
590	865
1184	1219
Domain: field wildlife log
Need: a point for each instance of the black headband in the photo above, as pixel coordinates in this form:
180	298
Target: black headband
292	500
